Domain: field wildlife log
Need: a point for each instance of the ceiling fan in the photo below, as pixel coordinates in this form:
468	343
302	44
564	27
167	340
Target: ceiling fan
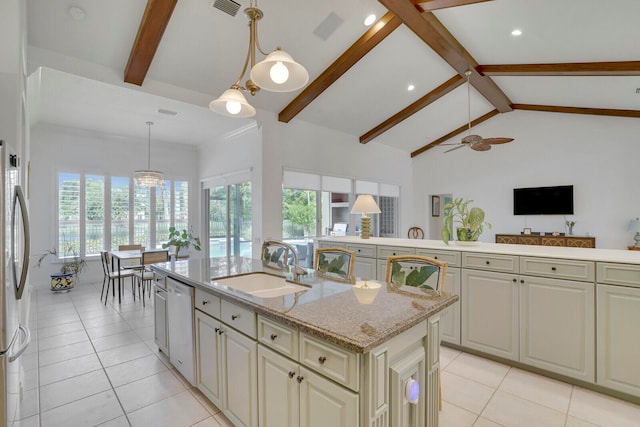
475	142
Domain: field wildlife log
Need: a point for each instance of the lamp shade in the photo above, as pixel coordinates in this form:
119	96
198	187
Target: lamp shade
365	204
278	72
634	225
232	103
148	178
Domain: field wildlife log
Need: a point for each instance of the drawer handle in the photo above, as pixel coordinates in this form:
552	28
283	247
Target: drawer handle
322	359
299	379
217	330
522	281
435	257
394	253
234	316
205	301
292	374
553	269
220	332
488	262
515	280
273	337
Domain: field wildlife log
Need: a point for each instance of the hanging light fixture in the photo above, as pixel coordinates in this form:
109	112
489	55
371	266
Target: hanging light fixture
149	178
278	72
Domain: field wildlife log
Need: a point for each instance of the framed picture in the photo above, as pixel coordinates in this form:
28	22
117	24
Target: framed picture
526	231
435	205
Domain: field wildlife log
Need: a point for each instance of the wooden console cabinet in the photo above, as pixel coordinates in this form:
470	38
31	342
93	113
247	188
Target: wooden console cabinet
531	239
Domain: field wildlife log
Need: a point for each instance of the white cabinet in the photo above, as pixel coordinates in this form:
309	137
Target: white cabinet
557	326
450	317
239	374
160	331
208	358
618	349
291	395
490	312
180	315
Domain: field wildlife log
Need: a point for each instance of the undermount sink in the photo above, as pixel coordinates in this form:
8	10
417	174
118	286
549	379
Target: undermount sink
262	285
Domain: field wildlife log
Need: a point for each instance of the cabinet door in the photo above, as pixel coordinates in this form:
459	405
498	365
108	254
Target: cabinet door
324	403
208	358
557	326
365	268
450	317
278	390
490	312
160	320
618	338
240	378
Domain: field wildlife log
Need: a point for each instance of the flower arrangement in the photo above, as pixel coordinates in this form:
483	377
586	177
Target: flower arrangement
570	223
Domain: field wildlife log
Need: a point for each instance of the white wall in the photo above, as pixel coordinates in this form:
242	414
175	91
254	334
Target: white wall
56	149
598	155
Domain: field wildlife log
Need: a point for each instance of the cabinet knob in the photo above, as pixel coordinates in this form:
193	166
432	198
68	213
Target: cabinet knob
299	379
292	374
522	281
217	330
234	316
488	262
220	332
515	280
435	257
553	269
273	337
205	301
394	253
322	359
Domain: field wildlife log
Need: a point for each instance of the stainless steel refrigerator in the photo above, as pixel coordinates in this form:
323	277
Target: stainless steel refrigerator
14	247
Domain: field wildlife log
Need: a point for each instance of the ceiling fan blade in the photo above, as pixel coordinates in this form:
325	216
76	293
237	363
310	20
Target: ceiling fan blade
455	148
496	140
481	146
454	143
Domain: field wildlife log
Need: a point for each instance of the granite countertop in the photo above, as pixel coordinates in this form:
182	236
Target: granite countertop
328	310
587	254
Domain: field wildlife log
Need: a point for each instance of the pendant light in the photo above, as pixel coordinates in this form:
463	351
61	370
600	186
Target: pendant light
148	177
278	72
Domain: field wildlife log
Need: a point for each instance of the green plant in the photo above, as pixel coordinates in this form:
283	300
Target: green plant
182	239
471	220
70	261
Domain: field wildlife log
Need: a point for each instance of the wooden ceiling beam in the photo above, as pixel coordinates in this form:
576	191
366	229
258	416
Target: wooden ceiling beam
579	110
444	4
377	33
621	68
426	26
154	21
418	105
458	131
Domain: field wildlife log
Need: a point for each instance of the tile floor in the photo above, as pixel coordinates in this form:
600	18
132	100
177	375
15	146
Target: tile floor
96	365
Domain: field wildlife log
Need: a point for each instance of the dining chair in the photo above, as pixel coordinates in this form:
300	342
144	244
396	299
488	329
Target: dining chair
415	233
335	264
110	277
133	264
277	254
144	275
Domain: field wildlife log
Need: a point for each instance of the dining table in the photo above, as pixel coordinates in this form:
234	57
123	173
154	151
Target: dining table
116	264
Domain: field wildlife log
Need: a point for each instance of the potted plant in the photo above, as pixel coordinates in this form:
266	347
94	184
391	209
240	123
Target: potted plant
471	221
182	239
71	266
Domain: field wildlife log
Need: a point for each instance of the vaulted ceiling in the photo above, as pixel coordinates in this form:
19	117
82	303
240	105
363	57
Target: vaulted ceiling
574	56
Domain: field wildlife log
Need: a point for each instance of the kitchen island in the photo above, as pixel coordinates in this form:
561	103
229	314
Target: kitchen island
321	356
560	311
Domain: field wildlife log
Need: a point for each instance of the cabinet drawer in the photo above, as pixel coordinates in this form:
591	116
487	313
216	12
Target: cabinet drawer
368	251
279	337
330	244
333	362
208	303
450	257
387	251
160	280
619	274
558	268
504	263
239	318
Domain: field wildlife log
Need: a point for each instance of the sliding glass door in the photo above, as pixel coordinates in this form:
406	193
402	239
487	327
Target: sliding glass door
229	210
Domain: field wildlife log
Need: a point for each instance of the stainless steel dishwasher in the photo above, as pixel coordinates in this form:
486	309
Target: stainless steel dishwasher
180	322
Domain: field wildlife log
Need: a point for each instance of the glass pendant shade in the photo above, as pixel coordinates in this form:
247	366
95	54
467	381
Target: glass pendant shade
149	178
269	73
232	103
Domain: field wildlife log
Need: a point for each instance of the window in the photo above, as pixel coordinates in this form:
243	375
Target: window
230	220
137	215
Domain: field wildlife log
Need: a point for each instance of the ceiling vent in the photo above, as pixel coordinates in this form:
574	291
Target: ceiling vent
227	6
328	26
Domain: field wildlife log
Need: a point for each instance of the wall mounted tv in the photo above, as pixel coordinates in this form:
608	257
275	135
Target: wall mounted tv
543	200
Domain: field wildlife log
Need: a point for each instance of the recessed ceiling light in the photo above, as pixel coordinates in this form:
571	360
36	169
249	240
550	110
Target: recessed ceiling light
410	87
369	20
77	13
516	32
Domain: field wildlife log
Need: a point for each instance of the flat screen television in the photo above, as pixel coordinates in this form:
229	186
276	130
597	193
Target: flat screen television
543	200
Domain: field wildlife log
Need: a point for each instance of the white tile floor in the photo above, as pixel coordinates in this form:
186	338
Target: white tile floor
92	364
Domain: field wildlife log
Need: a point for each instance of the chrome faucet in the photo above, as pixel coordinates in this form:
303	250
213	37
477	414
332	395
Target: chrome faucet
295	269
